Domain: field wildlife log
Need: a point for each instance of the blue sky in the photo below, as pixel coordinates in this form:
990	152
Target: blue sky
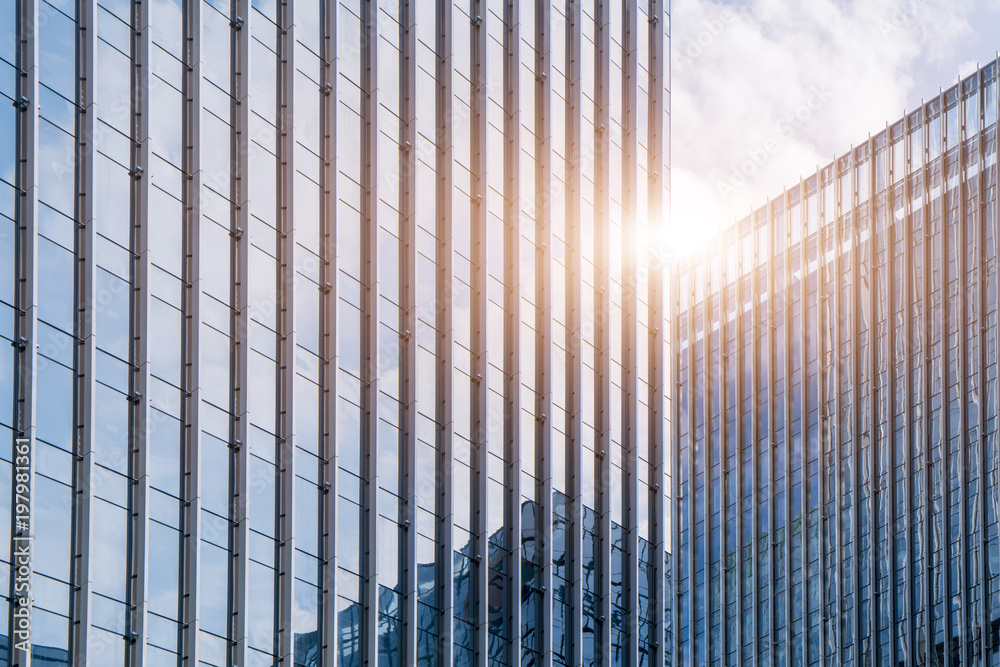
764	91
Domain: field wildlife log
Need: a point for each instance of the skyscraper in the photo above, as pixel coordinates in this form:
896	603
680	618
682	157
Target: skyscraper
335	337
836	374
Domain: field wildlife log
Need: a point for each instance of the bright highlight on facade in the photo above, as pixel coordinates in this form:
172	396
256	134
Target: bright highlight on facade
836	364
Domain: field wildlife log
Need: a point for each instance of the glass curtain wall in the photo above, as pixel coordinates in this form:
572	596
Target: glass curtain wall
337	331
835	363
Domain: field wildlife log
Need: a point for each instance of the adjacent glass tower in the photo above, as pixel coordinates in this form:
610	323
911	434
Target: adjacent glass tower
836	373
334	331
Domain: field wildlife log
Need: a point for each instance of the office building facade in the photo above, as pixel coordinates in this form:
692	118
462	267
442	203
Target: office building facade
836	375
332	332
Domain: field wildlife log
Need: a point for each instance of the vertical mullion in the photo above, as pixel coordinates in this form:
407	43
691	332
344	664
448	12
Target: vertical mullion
754	390
630	287
26	311
817	324
769	362
803	334
135	624
996	216
512	309
240	226
906	292
674	272
826	412
873	415
86	354
962	268
891	379
810	324
369	320
855	399
705	511
996	258
573	633
945	420
329	296
786	407
737	364
480	325
543	323
286	324
445	321
747	320
658	372
834	217
984	633
723	450
692	290
925	388
602	227
409	323
191	302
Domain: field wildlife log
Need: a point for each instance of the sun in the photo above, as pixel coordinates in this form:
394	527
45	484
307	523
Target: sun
682	237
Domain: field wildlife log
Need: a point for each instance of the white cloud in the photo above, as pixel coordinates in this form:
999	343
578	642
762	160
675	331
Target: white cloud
966	68
764	91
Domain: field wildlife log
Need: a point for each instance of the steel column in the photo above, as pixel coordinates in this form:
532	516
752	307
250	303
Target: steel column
445	334
286	332
409	322
191	309
240	252
906	286
26	290
573	632
602	288
480	324
86	352
139	426
630	286
925	389
659	373
512	313
543	322
369	325
329	295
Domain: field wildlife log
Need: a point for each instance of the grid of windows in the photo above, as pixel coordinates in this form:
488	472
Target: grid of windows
836	370
335	330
